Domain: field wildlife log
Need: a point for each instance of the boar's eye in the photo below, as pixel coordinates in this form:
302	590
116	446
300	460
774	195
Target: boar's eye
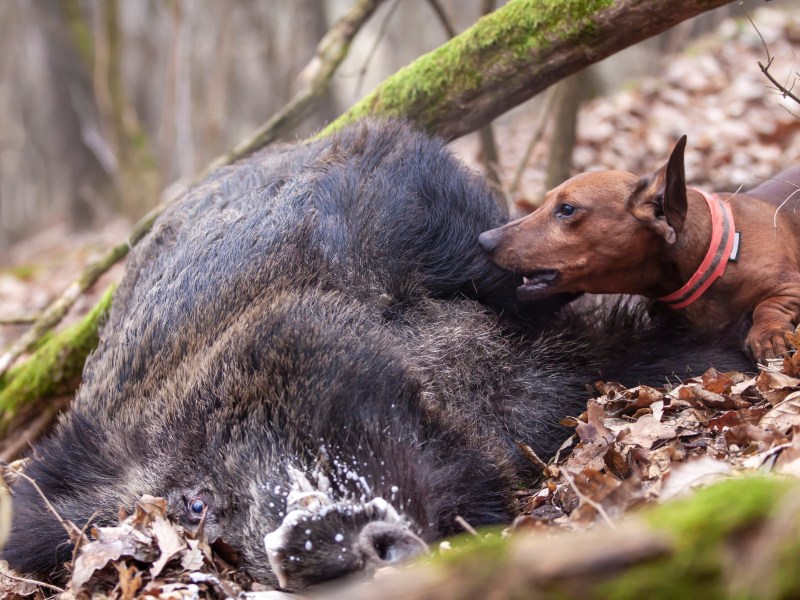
196	505
565	210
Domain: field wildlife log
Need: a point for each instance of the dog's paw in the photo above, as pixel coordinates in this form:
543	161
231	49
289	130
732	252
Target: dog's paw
768	342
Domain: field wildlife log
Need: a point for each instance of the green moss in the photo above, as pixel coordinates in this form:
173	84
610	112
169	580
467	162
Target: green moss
474	559
54	366
495	44
711	533
466	547
702	528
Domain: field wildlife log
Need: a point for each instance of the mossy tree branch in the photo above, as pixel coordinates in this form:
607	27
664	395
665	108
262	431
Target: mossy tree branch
55	367
54	313
511	55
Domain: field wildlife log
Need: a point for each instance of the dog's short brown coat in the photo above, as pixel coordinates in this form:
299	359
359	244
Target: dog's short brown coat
615	232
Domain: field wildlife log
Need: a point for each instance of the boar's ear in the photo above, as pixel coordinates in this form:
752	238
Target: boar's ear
75	472
660	199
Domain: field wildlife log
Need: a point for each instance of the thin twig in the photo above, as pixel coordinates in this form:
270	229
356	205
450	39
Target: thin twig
77	546
466	526
442	16
331	51
595	505
531	455
763	41
70	527
378	38
317	75
782	204
795	115
19	320
785	92
765	69
33	582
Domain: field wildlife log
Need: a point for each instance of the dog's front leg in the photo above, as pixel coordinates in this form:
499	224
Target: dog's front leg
772	318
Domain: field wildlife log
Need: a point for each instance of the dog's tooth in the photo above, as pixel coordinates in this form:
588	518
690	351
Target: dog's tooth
524	280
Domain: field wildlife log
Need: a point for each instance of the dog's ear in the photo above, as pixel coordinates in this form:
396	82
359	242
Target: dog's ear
675	204
660	199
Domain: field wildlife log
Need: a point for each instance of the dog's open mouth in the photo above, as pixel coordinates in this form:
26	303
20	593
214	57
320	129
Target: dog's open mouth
537	285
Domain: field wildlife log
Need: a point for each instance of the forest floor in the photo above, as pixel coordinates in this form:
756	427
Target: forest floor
632	446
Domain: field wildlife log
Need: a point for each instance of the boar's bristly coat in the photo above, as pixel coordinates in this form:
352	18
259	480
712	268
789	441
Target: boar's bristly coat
311	350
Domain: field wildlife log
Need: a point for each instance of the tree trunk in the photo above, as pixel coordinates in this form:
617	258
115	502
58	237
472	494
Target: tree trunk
138	179
79	162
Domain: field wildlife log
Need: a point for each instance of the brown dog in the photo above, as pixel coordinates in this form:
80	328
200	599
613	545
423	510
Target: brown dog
615	232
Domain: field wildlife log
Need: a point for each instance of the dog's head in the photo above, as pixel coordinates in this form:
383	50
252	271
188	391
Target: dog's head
596	232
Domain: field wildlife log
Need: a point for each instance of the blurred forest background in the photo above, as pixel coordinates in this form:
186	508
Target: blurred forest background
107	105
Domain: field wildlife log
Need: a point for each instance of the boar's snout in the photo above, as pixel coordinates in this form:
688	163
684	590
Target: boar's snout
382	544
324	542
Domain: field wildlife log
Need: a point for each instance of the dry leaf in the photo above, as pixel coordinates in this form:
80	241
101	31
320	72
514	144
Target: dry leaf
110	544
192	559
10	584
169	543
775	386
130	581
595	441
688	475
785	415
716	383
647	431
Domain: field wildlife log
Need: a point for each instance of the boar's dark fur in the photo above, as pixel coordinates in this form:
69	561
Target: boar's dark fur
315	331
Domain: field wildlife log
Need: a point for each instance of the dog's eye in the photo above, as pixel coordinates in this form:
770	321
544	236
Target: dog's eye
566	210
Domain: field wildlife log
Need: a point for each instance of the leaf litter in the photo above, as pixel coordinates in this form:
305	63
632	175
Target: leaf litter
635	446
144	556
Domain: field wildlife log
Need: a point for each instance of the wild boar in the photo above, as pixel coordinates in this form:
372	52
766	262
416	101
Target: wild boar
311	349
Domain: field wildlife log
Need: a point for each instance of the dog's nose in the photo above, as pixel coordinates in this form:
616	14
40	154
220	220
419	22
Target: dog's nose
488	240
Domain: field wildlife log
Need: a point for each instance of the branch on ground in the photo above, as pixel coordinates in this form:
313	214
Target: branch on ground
701	547
55	367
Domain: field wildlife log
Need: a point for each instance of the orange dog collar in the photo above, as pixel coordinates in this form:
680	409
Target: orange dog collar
720	251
